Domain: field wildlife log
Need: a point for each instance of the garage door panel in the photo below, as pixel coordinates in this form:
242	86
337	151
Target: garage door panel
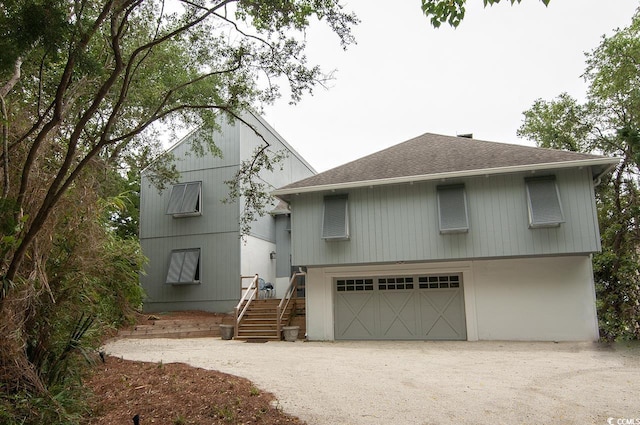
442	314
441	329
400	307
355	316
397	315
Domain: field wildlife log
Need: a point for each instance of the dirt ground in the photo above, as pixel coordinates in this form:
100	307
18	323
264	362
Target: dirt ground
404	382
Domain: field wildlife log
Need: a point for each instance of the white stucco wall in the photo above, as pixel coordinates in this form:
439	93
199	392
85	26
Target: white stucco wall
254	258
547	299
533	299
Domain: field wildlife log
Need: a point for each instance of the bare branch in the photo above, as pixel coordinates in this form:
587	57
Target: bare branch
13	80
5	146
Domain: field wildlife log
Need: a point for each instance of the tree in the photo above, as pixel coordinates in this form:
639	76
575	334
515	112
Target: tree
607	123
453	11
84	86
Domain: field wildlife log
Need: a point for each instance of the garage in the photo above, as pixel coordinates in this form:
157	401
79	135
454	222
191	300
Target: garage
417	307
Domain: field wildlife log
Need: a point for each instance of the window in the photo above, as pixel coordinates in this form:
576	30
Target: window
349	285
391	283
452	209
543	201
184	266
438	282
185	199
335	219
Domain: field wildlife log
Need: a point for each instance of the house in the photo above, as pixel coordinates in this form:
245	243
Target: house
192	239
450	238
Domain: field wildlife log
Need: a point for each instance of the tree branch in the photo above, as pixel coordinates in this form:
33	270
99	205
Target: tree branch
13	80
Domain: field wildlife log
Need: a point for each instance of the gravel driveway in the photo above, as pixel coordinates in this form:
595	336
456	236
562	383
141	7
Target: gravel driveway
402	382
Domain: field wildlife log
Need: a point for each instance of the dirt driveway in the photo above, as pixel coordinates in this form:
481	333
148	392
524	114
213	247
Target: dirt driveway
423	382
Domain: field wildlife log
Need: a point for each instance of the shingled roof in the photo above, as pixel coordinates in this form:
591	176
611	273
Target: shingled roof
434	156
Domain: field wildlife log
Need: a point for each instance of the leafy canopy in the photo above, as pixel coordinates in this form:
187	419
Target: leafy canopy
453	11
608	122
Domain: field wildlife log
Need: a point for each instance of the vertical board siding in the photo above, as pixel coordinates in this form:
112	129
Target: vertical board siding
291	168
226	139
216	230
400	223
218	268
216	215
283	246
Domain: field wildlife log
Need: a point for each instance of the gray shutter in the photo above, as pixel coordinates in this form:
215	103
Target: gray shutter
335	222
175	266
452	209
544	202
190	267
191	202
177	196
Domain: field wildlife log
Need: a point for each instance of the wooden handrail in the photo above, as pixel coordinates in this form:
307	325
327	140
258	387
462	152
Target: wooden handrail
290	293
252	291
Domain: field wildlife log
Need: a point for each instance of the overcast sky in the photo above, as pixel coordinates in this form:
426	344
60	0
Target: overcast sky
405	78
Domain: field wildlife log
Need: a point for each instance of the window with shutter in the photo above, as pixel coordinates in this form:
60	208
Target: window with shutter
185	199
452	209
543	201
184	266
335	220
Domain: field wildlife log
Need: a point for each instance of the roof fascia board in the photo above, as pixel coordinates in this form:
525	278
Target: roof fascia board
449	175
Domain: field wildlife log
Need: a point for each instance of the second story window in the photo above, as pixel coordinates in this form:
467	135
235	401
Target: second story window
335	218
452	209
185	200
543	202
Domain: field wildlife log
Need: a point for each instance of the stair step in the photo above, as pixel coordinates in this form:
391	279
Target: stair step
260	322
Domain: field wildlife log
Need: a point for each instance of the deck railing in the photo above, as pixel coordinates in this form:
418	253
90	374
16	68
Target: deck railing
291	293
251	293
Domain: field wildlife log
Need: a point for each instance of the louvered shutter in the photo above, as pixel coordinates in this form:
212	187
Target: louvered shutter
335	222
191	202
543	200
185	199
177	196
184	266
452	209
175	266
190	267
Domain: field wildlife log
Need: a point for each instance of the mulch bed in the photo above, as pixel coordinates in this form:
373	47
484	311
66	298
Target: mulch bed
177	394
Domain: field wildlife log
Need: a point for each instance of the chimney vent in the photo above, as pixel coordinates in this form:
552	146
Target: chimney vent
466	135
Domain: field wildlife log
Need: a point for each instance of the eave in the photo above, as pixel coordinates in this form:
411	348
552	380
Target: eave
605	163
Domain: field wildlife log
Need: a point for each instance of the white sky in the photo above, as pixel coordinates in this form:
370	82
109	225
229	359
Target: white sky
405	78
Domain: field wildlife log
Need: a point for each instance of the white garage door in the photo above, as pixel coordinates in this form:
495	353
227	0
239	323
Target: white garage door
421	307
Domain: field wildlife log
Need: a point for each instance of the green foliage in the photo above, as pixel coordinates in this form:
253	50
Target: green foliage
28	23
606	123
559	124
453	11
251	189
98	82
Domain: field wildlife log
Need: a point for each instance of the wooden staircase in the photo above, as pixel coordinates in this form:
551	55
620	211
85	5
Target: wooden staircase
261	321
264	319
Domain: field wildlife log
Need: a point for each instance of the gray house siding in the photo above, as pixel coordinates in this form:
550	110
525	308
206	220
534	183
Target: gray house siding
283	246
292	168
216	227
216	216
219	289
400	223
216	231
